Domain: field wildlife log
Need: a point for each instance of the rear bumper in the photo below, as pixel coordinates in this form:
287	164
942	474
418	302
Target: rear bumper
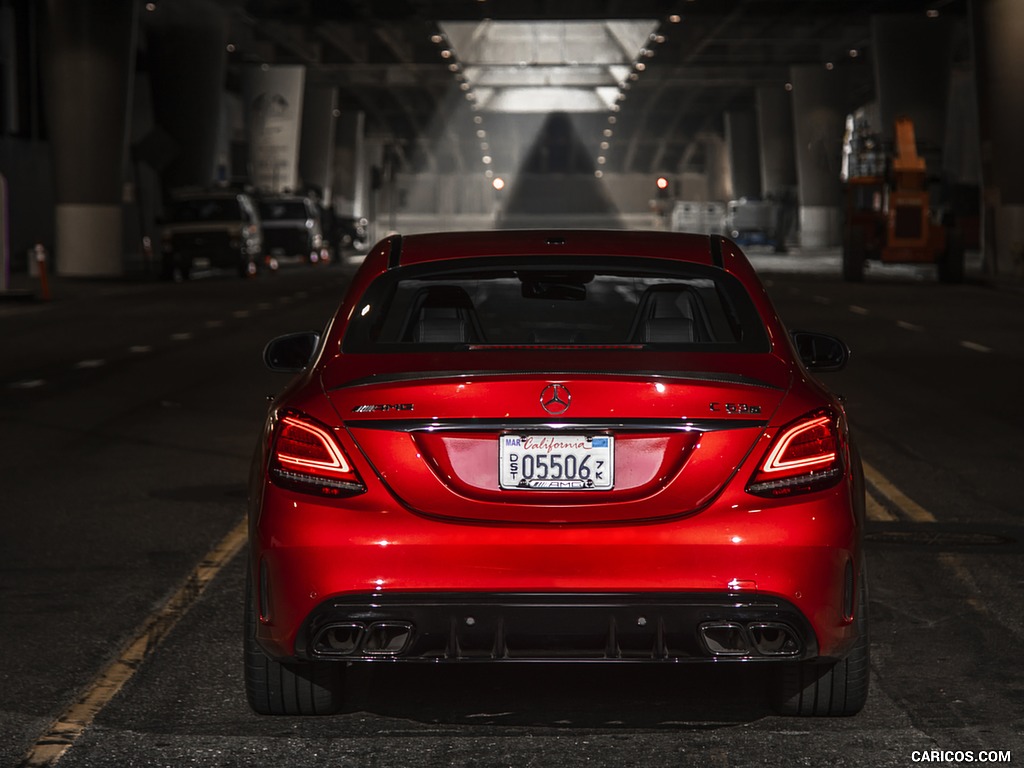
556	627
288	241
578	592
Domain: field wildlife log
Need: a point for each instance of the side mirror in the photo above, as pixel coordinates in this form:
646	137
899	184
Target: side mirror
819	352
291	353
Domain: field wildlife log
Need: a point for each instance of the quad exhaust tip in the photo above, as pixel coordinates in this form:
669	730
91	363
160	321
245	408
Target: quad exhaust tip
759	638
381	638
720	639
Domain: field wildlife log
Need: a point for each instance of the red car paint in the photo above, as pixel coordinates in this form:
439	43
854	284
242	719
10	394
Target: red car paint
411	532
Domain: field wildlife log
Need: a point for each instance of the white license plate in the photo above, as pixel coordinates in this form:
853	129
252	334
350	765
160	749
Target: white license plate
556	462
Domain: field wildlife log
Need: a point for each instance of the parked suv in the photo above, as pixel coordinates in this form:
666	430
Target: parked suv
217	229
292	229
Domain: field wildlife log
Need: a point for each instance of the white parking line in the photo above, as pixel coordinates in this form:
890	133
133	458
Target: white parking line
975	346
139	349
908	326
61	736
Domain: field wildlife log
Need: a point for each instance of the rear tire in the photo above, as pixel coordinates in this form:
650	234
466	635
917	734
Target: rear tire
278	688
951	261
176	268
854	255
831	689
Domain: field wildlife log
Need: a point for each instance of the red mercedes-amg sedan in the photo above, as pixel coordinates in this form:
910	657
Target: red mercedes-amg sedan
580	446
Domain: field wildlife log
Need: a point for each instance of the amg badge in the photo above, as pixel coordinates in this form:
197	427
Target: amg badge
382	407
734	408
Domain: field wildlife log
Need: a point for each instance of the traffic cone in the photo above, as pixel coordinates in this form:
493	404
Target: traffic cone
44	286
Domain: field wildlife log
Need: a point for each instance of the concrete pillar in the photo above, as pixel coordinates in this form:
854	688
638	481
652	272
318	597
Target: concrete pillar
380	186
819	120
775	125
273	102
187	65
912	55
351	179
961	158
719	180
778	163
745	164
999	68
316	148
11	119
89	48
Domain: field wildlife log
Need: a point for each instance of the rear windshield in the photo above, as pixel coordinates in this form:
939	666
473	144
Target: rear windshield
534	302
207	209
292	209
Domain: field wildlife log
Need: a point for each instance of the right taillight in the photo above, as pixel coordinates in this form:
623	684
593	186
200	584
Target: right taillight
306	457
805	456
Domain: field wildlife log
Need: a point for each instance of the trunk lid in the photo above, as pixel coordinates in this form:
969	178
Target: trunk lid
673	440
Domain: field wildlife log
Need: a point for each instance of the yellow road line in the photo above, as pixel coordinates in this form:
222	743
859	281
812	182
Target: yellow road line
956	564
52	745
891	493
877	512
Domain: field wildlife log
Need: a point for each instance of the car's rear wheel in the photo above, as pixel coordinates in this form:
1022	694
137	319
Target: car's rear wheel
277	688
835	689
951	261
176	268
854	254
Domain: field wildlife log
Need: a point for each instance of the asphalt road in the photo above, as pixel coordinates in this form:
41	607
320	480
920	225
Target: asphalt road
127	418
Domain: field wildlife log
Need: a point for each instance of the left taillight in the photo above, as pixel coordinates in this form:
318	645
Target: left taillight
806	455
305	457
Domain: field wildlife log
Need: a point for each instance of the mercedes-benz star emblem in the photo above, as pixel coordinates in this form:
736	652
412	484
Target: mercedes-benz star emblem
555	399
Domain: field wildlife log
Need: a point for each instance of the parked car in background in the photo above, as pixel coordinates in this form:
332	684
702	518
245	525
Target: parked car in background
750	221
210	229
565	446
292	229
351	233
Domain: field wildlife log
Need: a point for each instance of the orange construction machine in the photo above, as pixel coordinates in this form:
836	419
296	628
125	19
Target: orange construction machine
888	216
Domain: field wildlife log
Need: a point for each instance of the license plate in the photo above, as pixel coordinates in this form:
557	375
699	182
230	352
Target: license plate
556	462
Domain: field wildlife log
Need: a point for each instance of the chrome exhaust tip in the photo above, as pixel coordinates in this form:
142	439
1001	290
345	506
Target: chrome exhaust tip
773	639
339	639
758	638
724	638
387	638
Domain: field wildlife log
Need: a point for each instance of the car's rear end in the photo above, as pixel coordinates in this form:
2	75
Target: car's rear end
569	446
292	229
211	230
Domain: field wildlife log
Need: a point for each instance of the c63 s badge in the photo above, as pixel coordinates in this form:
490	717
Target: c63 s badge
382	407
732	408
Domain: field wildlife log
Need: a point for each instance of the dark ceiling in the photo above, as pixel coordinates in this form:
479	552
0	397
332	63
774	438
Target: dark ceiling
705	58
